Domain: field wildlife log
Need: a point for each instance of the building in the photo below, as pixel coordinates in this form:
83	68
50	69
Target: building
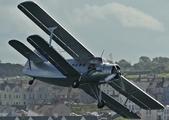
50	110
38	93
110	91
50	118
68	94
86	98
159	88
148	114
11	94
163	114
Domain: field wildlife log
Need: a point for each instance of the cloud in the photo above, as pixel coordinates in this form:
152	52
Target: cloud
13	21
128	16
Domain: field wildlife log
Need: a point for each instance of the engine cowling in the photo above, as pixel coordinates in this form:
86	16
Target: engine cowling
114	73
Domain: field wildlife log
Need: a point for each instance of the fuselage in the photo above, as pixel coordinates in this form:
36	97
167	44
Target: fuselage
46	72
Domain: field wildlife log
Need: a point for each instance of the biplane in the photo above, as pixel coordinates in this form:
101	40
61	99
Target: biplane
84	71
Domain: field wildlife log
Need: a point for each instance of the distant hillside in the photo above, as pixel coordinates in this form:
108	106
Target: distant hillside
8	69
158	65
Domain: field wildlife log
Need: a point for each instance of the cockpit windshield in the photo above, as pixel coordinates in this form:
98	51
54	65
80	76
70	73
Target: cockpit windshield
104	60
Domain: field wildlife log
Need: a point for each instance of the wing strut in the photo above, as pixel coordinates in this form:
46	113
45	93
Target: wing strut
129	96
29	61
51	34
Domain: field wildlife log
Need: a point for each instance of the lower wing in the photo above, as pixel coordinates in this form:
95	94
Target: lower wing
93	90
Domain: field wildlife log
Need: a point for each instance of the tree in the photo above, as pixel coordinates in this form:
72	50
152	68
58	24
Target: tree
144	59
8	69
144	64
124	64
161	64
137	66
160	60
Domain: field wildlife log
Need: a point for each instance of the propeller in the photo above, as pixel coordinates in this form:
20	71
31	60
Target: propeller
121	82
109	78
119	75
116	75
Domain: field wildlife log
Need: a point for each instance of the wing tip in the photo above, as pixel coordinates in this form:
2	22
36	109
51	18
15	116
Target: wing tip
21	5
10	42
29	1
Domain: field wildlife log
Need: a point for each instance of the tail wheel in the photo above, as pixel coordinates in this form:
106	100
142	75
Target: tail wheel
30	82
101	104
75	84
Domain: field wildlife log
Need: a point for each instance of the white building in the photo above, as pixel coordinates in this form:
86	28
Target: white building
148	114
110	91
163	114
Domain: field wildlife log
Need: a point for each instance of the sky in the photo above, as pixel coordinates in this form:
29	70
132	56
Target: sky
127	29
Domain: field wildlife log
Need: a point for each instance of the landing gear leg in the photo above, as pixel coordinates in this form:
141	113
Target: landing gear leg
97	92
101	103
31	81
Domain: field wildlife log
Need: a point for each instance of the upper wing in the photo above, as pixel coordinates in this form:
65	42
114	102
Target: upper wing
114	105
136	94
62	37
25	51
53	56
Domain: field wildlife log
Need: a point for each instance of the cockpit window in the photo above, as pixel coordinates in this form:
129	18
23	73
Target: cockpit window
104	60
98	59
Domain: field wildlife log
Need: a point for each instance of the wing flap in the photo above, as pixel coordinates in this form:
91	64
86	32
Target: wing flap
52	55
110	102
62	37
136	95
25	51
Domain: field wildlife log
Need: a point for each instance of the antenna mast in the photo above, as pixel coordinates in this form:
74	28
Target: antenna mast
102	53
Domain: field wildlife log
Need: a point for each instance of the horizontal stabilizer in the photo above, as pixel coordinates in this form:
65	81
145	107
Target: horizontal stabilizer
25	51
52	55
60	35
110	102
136	95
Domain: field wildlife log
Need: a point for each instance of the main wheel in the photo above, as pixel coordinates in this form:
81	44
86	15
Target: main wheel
101	104
75	84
